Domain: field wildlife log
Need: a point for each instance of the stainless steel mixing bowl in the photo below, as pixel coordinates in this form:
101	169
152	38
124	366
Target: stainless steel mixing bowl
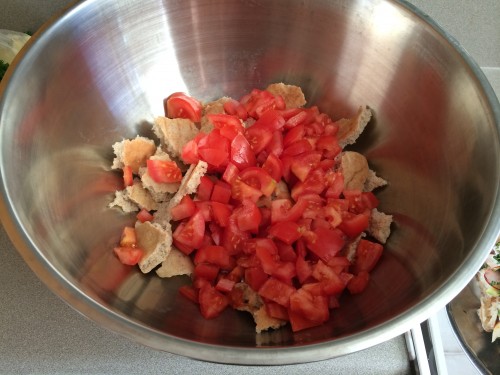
98	74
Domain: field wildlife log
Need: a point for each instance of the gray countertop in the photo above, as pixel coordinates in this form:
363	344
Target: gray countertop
40	334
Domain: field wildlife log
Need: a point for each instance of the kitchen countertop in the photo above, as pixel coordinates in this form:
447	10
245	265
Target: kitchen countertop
40	334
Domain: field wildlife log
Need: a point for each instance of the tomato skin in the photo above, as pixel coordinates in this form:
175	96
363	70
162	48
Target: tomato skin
275	145
205	188
180	105
230	126
297	148
241	191
221	192
212	302
258	138
224	285
189	154
128	255
270	120
276	311
233	107
294	135
221	213
274	167
285	210
205	271
302	165
163	171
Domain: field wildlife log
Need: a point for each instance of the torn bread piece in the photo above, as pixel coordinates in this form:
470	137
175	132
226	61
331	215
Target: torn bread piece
189	185
350	129
177	263
133	153
156	242
293	95
380	225
174	133
134	198
212	108
373	181
160	192
354	167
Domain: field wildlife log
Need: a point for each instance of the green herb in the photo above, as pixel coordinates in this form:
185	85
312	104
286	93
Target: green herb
3	68
497	257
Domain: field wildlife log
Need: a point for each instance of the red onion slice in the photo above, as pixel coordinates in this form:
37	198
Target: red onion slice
492	277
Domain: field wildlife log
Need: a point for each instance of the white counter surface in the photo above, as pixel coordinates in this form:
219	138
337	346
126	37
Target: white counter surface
40	334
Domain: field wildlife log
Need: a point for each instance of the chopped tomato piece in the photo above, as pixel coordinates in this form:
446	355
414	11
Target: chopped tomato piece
184	209
221	213
248	216
368	254
274	167
230	173
214	156
277	311
191	234
286	231
358	283
163	171
353	225
297	148
221	192
329	145
275	145
206	271
258	178
258	138
180	105
270	120
242	154
230	126
294	135
277	291
189	154
233	107
216	255
302	164
212	302
144	215
224	285
128	255
241	191
285	210
205	188
307	310
325	243
255	277
128	177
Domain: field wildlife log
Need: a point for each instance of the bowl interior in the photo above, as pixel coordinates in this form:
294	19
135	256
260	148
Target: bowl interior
99	74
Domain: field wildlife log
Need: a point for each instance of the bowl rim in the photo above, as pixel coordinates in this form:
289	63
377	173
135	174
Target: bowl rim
103	316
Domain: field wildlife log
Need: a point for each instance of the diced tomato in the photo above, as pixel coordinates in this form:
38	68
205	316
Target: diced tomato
359	201
286	231
353	225
285	210
189	154
233	238
274	167
128	177
144	215
297	119
335	182
270	120
192	233
294	135
314	183
312	309
189	292
255	277
212	302
242	155
277	311
329	145
275	145
216	255
258	138
163	171
233	107
180	105
206	271
258	178
277	291
285	271
221	192
286	252
205	188
224	285
221	213
297	148
248	216
303	164
185	208
241	191
325	243
359	282
230	173
368	254
214	156
128	255
128	237
268	258
230	126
